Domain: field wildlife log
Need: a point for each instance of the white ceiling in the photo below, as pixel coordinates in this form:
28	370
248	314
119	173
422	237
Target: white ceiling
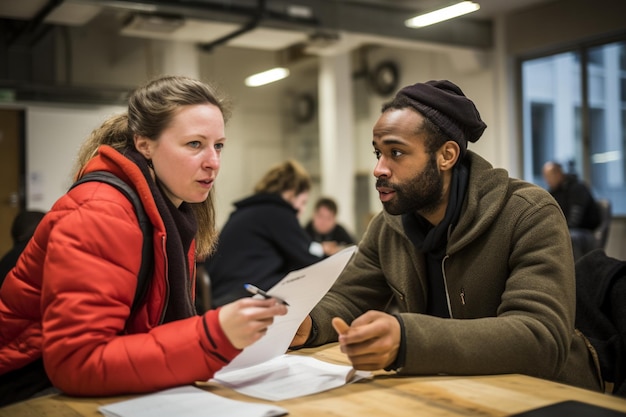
206	30
27	9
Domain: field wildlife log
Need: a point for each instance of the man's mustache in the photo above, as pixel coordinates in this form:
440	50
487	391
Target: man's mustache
384	184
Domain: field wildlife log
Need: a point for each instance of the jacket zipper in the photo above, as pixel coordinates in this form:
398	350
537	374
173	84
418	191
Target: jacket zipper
192	283
445	285
443	273
167	282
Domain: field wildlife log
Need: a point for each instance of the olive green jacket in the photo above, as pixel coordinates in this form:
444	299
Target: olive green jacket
509	279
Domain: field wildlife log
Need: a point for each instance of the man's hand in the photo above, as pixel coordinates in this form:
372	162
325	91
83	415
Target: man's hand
303	332
331	247
371	342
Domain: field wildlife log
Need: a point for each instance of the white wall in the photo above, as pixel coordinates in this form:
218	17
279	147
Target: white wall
261	132
54	135
254	135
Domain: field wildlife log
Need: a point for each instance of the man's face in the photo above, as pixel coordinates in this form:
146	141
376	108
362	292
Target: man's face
408	178
553	176
324	220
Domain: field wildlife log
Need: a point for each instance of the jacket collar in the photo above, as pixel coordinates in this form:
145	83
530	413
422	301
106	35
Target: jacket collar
109	159
484	198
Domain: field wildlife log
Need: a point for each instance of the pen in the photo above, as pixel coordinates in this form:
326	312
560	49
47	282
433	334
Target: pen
256	290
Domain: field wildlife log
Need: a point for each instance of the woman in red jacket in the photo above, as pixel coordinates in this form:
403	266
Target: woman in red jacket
66	306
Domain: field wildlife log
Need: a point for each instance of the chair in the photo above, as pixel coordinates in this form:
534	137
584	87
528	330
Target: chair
601	233
601	314
203	289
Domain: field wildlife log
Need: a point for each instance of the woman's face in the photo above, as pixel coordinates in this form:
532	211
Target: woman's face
186	156
298	201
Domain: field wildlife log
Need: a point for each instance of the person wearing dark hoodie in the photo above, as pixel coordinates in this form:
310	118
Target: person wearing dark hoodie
22	229
263	240
578	204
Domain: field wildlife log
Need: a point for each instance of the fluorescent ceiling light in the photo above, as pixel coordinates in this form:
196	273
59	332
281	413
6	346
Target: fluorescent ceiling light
153	24
267	77
440	15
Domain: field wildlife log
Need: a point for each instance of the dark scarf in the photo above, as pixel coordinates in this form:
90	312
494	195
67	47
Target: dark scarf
181	228
432	240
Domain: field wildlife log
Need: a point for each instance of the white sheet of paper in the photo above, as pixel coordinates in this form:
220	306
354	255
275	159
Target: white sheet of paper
302	289
188	401
288	376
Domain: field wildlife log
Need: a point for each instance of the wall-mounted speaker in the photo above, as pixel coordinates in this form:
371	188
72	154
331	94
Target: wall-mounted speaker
384	78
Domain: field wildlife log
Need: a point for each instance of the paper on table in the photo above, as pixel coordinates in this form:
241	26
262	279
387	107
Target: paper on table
188	401
289	376
302	289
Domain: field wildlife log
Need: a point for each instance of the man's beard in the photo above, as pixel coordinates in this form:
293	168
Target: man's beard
422	193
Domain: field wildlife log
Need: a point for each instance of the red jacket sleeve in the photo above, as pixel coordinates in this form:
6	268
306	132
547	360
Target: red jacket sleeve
90	272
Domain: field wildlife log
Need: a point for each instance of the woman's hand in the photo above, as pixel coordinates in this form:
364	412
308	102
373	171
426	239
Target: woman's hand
246	320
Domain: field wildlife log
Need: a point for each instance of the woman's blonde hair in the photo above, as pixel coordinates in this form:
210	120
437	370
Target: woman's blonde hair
151	108
286	176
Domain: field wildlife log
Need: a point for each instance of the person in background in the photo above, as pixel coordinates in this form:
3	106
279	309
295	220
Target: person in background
478	264
22	229
67	317
263	240
579	207
323	227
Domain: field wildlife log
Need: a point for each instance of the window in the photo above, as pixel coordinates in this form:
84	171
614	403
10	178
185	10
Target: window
583	130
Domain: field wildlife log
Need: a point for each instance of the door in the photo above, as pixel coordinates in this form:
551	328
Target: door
11	169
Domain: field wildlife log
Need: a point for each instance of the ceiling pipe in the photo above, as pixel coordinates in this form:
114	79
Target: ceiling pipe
338	16
207	9
207	47
36	23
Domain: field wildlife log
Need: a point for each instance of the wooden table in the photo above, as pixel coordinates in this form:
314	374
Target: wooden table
384	395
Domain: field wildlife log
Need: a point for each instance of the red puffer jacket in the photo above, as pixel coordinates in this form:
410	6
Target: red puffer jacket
70	294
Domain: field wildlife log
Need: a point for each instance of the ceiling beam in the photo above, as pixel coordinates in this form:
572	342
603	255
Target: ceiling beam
313	16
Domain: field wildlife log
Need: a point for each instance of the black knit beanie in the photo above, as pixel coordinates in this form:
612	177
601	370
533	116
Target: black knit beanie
448	108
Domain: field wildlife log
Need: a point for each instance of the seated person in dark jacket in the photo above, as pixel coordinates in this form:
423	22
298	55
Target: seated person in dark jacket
263	240
323	227
578	205
22	230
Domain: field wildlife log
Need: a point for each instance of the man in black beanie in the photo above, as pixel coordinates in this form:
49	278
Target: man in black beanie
466	271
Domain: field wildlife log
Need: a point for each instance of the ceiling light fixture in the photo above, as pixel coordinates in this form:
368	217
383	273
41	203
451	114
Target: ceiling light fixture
440	15
267	77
